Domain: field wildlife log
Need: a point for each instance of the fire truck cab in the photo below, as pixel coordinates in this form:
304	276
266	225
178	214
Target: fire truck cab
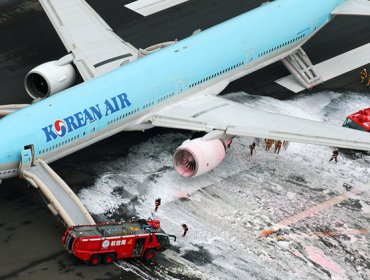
359	120
110	241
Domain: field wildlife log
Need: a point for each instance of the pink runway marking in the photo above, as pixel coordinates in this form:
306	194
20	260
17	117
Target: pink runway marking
310	212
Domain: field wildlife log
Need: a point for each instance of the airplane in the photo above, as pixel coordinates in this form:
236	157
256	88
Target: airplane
172	85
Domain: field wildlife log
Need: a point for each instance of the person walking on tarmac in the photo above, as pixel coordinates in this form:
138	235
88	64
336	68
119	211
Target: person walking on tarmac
185	228
157	204
334	156
278	144
252	148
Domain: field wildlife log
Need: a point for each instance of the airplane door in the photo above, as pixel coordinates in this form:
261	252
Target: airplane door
249	55
90	129
179	85
93	127
32	149
315	24
27	156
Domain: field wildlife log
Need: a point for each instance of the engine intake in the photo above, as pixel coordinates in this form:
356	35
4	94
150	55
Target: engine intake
198	156
48	79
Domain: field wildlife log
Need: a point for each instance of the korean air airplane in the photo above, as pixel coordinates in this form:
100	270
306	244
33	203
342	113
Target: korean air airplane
175	86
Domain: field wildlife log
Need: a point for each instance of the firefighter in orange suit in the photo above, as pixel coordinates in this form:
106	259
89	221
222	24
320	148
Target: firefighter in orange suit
269	143
364	77
278	144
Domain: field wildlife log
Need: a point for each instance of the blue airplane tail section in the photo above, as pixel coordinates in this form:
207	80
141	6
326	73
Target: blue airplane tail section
353	7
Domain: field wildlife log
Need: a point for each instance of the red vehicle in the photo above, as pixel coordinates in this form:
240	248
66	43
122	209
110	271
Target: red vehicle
359	120
110	241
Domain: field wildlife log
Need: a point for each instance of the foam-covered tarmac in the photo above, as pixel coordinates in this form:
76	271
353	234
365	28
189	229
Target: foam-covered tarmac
29	233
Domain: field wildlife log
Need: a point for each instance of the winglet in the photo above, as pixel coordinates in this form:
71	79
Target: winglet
353	7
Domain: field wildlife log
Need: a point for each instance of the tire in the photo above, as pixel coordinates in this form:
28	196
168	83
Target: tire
109	258
95	260
150	254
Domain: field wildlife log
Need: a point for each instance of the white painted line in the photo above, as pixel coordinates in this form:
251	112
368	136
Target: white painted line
333	67
148	7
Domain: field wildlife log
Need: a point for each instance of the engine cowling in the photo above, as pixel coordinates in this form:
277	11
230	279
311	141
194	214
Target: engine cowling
198	156
48	79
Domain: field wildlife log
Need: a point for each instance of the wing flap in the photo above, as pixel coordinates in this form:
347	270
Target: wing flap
209	113
96	48
353	7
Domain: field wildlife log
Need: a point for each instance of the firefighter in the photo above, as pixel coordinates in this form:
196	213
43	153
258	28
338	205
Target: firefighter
157	203
334	156
348	187
269	143
185	228
252	148
364	77
278	144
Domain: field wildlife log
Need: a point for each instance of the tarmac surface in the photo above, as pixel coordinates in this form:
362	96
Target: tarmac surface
29	233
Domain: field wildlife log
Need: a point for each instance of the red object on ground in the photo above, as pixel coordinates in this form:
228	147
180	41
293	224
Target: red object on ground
107	242
359	120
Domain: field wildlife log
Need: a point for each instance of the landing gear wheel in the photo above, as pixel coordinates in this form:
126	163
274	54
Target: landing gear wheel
95	260
150	254
109	258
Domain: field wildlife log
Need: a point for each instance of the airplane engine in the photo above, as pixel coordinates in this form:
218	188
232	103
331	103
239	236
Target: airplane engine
198	156
48	79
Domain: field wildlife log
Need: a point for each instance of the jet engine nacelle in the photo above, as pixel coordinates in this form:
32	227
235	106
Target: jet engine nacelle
198	156
48	79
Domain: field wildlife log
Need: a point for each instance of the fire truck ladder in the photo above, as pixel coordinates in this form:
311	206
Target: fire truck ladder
61	199
302	69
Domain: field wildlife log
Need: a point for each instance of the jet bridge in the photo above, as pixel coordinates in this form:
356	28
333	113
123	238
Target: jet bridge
61	199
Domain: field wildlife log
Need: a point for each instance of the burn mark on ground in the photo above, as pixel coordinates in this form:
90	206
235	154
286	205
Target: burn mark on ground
351	204
200	257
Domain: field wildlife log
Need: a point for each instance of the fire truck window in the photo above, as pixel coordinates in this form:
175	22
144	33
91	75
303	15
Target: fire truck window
350	124
346	123
164	241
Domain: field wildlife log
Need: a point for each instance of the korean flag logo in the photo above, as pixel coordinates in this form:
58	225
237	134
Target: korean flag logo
60	128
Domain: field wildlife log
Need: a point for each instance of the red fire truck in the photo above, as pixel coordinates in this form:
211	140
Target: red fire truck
359	120
107	242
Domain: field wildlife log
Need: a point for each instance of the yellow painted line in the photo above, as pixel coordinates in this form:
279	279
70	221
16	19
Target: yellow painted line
310	212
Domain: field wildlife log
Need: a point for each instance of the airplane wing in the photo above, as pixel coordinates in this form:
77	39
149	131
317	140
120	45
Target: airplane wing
95	47
353	7
208	113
